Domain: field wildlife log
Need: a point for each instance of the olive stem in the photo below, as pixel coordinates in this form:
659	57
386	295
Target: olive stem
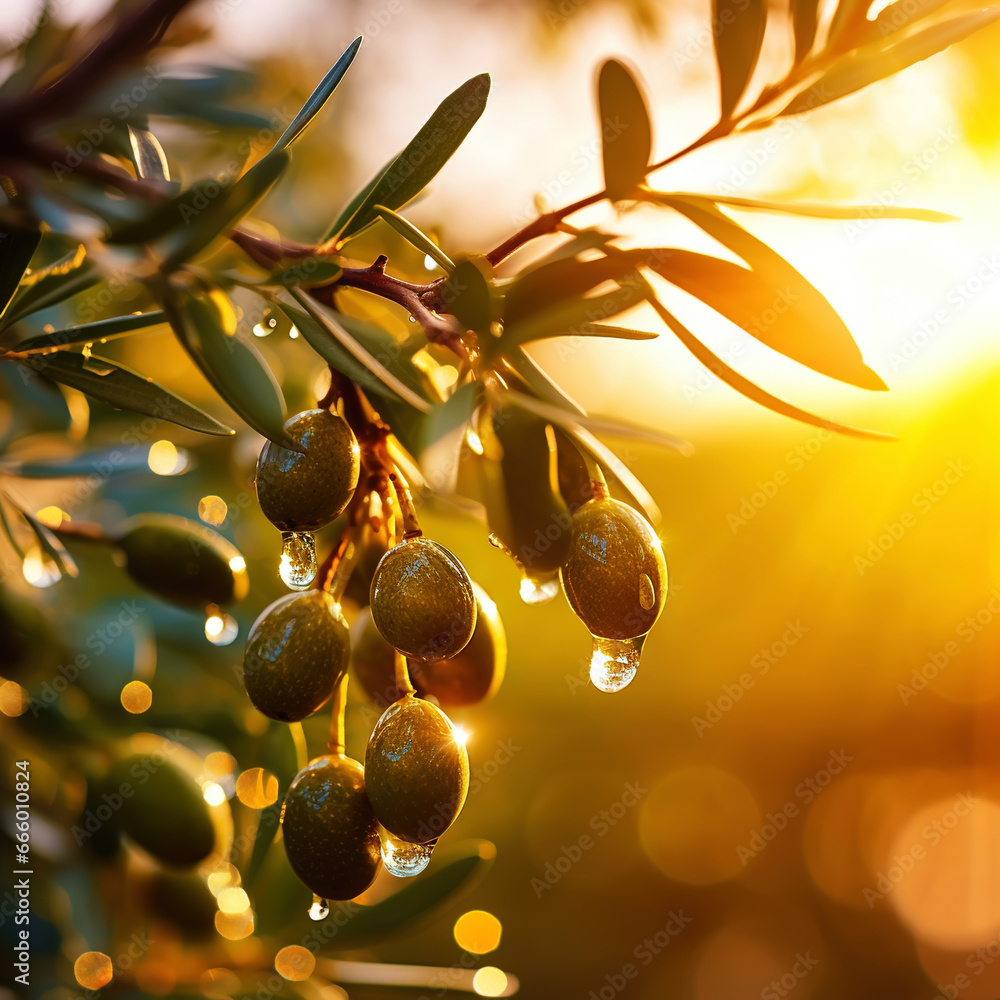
301	749
411	526
84	531
335	744
403	682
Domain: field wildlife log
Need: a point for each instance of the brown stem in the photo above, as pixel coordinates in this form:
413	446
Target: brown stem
411	526
403	682
544	225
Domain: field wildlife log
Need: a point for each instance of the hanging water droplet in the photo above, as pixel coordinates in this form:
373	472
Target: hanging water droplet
647	592
297	568
402	859
87	350
319	909
614	662
538	590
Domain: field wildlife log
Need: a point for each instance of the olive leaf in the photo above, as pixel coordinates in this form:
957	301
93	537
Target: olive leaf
747	388
468	293
849	18
223	211
738	26
205	324
374	348
318	97
48	542
817	210
150	160
416	238
94	333
874	62
453	413
805	17
626	133
47	286
122	388
17	245
88	463
429	150
805	326
451	875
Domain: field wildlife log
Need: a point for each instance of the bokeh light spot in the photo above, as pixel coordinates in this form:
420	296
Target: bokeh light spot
489	981
295	963
93	970
137	696
219	764
233	900
164	458
212	509
477	932
693	821
257	788
13	699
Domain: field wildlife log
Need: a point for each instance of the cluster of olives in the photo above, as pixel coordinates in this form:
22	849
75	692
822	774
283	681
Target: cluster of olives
342	819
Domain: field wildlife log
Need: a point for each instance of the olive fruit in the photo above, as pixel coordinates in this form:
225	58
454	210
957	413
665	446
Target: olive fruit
615	576
296	653
161	808
305	491
182	561
422	600
470	676
417	771
330	832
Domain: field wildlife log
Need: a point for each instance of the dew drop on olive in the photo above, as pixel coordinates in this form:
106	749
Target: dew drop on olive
296	653
330	832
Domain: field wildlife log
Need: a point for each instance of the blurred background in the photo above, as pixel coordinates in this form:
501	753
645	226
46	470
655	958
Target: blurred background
798	795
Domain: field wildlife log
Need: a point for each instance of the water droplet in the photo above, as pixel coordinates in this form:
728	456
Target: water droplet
402	859
429	262
87	350
297	568
319	909
614	662
536	590
221	629
647	592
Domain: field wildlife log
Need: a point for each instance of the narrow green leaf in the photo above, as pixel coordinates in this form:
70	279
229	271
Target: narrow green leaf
94	333
122	388
150	160
566	419
373	347
425	155
738	26
100	462
805	16
450	876
747	388
8	529
48	542
619	332
453	413
347	212
415	237
224	211
206	326
319	96
897	16
875	62
330	349
169	215
819	211
17	246
828	332
52	284
573	317
626	133
469	294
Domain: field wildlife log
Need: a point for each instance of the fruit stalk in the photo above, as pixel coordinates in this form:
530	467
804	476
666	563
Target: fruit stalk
335	744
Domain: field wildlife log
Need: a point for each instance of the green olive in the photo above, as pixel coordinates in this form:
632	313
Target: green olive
417	771
183	561
330	832
304	492
422	600
296	653
160	807
470	676
615	576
